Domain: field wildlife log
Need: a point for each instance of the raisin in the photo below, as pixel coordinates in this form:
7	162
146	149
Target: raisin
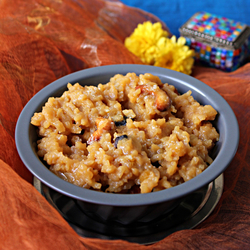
118	138
120	123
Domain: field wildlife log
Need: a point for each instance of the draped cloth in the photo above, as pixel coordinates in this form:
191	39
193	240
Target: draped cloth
43	40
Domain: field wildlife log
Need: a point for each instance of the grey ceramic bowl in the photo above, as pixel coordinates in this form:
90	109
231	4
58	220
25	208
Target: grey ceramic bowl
129	208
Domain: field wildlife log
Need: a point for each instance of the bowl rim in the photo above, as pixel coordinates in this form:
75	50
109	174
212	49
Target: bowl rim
48	178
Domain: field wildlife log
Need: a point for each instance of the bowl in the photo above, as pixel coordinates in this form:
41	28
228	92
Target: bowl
129	208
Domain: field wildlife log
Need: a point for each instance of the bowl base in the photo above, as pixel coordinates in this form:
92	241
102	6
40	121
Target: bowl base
194	209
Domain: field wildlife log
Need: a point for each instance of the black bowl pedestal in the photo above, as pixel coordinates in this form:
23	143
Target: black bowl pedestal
190	212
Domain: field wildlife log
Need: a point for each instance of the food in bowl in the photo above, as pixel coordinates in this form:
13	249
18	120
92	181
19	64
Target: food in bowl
133	134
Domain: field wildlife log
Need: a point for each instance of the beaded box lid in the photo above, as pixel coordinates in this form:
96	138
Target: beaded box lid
215	30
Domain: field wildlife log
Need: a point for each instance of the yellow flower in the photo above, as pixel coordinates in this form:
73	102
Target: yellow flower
174	55
151	44
143	40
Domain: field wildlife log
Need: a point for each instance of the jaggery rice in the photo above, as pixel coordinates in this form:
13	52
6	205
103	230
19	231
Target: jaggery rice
131	135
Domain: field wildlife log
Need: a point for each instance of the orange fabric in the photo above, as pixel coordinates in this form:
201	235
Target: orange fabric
42	40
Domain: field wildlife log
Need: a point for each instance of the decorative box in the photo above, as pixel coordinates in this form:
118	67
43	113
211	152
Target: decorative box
217	41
